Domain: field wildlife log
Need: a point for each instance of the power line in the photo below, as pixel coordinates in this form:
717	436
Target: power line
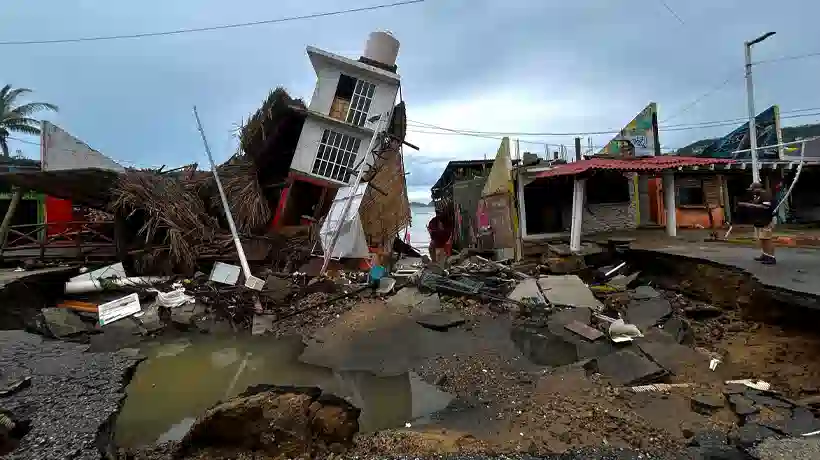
207	29
23	140
789	58
669	8
703	96
674	127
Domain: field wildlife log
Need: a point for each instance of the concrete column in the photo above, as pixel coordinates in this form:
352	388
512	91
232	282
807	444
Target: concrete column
669	203
578	196
522	210
644	212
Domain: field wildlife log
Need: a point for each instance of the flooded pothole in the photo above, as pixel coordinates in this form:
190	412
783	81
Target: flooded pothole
181	379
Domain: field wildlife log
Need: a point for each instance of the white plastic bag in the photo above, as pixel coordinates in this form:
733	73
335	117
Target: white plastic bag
173	298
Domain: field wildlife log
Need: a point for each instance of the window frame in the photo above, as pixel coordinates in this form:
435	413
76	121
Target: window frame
363	93
335	156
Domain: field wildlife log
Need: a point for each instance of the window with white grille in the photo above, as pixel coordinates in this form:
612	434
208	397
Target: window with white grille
336	155
360	102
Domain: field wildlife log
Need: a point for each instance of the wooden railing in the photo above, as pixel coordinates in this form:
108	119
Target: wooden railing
36	239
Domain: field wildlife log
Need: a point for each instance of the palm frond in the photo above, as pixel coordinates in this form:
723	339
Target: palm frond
23	129
4	91
11	118
13	94
4	146
27	109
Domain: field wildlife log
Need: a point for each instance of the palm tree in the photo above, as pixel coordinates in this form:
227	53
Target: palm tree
16	118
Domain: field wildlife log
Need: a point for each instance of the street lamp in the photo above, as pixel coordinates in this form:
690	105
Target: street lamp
750	97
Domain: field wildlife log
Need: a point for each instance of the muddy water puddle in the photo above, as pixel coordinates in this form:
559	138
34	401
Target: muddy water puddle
181	379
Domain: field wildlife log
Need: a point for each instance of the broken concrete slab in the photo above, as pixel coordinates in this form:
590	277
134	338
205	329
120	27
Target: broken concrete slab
408	296
769	400
742	405
568	291
561	318
584	330
431	304
279	288
802	421
627	367
440	321
645	292
622	282
750	434
527	290
62	322
672	356
544	348
648	313
680	330
556	346
707	403
734	389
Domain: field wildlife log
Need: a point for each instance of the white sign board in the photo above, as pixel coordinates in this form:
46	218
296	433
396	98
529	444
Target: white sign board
119	309
225	273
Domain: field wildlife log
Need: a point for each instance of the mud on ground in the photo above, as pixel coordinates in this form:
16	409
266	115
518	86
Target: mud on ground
502	406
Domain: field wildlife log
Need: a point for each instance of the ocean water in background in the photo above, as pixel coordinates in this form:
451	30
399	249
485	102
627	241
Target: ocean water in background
420	216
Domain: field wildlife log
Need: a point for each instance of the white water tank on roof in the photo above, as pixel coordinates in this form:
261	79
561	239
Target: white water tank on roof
382	47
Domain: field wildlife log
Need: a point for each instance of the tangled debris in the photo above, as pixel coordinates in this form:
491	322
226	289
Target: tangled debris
172	217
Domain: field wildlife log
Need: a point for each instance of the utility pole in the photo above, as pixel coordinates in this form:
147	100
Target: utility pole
577	149
750	98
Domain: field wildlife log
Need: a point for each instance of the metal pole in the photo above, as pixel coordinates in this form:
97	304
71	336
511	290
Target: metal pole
750	100
577	149
243	261
750	96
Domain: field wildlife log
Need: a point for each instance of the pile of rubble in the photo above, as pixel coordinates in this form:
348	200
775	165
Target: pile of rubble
613	345
111	310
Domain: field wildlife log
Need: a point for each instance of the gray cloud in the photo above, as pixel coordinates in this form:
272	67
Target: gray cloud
516	65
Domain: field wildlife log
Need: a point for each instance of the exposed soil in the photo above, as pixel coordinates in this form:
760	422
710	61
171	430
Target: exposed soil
505	409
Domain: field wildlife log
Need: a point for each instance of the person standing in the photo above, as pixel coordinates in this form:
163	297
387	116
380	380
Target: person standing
440	229
761	207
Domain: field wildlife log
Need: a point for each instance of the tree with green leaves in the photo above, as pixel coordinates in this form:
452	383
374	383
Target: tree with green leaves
15	117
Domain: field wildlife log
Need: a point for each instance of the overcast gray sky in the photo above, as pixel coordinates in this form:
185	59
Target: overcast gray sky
487	65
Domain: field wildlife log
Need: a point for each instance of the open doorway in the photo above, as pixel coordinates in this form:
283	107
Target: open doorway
305	199
544	204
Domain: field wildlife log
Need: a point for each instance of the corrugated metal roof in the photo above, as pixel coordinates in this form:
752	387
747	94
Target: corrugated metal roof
659	163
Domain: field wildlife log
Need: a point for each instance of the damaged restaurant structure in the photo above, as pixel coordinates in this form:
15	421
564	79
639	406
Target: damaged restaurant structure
306	177
628	185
